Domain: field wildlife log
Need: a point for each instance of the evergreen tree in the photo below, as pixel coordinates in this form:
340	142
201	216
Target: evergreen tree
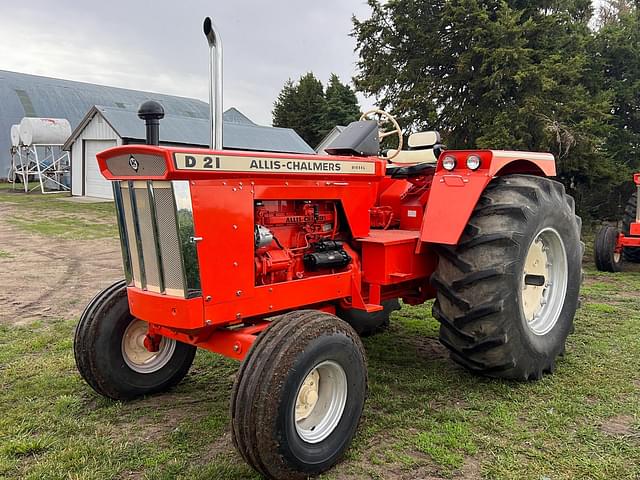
510	74
305	107
618	46
302	107
342	104
617	63
284	112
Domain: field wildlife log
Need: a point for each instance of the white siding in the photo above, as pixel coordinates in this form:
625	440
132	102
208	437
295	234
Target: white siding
96	129
95	184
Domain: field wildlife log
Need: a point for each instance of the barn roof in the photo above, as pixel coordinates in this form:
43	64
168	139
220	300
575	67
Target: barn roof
239	132
23	95
233	115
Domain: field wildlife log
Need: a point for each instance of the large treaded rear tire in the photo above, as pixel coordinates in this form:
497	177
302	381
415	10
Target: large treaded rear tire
630	254
264	397
98	350
479	282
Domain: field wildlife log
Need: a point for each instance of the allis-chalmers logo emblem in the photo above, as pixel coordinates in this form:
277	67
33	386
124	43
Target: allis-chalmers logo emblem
133	163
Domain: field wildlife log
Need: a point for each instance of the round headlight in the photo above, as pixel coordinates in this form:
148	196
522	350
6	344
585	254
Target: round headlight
449	162
473	162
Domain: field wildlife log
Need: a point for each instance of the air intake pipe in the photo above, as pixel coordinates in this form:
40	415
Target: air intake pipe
215	82
151	112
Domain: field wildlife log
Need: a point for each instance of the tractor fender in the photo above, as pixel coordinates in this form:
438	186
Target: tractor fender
454	194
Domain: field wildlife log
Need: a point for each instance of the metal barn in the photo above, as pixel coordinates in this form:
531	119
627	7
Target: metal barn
23	95
105	127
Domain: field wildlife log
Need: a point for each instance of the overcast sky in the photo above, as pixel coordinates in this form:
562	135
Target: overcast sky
159	45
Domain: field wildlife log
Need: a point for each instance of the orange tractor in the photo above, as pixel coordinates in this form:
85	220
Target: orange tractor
612	246
282	261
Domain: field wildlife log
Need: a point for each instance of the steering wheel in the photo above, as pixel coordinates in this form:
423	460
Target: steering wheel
384	117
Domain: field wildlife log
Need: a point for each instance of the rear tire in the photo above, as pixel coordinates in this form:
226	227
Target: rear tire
108	354
631	254
299	395
508	292
605	255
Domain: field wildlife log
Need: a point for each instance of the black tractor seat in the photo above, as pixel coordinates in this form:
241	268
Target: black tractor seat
407	171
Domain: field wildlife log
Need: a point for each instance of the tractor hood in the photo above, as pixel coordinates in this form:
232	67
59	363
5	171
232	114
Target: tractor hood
137	162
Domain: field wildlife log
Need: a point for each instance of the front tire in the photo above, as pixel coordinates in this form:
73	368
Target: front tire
607	259
299	395
110	355
508	292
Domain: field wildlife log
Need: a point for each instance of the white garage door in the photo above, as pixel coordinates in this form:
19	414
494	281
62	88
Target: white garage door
95	184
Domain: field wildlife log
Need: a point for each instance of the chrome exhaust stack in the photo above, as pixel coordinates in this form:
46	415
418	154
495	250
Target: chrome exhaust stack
215	82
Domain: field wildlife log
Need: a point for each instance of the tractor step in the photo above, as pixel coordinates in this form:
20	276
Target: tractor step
389	257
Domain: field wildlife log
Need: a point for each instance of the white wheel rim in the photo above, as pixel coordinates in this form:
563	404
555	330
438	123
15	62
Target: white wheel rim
320	402
544	281
136	355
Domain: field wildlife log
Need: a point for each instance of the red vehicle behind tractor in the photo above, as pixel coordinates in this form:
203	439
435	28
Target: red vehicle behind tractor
612	246
283	261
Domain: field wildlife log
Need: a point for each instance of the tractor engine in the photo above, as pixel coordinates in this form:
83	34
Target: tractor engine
296	239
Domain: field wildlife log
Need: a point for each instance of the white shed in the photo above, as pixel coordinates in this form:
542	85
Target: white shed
86	179
106	127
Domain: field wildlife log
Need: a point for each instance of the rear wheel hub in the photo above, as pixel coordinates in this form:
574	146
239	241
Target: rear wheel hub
544	281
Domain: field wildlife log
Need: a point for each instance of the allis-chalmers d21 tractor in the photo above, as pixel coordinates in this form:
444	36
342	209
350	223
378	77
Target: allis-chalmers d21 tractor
283	261
613	247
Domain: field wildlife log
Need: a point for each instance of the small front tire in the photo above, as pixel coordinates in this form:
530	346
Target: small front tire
299	395
607	257
111	357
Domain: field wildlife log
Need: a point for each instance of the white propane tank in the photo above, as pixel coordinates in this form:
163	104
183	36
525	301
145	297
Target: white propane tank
15	135
44	131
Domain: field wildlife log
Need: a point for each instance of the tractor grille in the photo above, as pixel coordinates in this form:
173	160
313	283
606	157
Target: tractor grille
157	240
147	166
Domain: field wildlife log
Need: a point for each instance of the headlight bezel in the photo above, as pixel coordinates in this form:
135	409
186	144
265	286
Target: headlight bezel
473	162
449	163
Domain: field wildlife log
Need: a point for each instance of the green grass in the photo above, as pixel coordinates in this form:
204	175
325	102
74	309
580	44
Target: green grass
37	201
54	426
71	227
53	216
424	417
423	414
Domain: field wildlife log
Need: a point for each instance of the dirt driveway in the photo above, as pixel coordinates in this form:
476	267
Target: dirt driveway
45	276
